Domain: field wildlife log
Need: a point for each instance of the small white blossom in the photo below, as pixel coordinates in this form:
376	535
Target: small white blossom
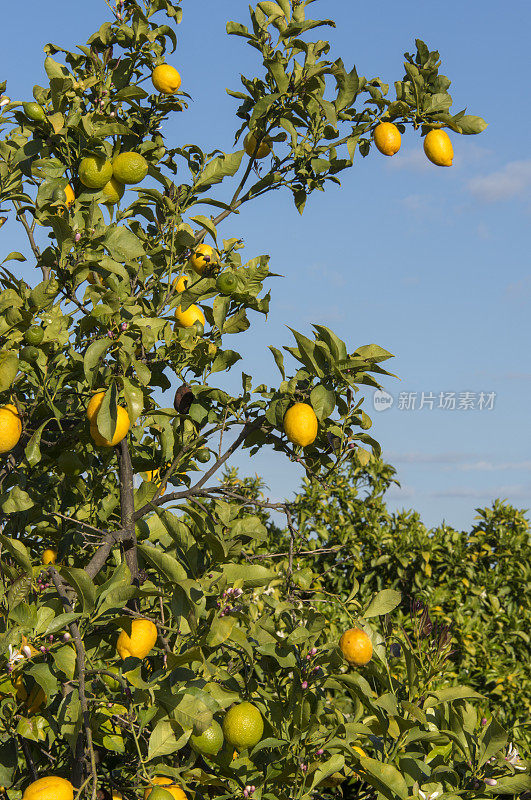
427	795
512	756
15	656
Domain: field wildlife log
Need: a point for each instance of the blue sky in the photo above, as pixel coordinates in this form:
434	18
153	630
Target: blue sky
430	263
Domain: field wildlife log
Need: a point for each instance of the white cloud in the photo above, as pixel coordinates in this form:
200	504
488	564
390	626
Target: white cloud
410	159
492	466
510	493
513	180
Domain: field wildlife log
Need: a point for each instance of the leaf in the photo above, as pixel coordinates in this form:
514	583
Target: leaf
494	739
61	621
19	552
469	124
323	401
33	449
134	398
17	500
8	761
225	360
219	168
14	256
163	740
108	413
65	660
451	694
91	359
279	360
8	369
166	565
122	244
334	764
205	223
250	576
220	630
384	777
84	587
512	785
42	675
373	352
384	602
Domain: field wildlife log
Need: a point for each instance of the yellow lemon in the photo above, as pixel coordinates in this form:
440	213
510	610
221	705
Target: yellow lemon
49	556
180	283
356	647
243	725
387	138
300	424
122	427
10	428
113	192
438	148
95	171
166	79
204	255
49	788
94	404
129	167
168	785
141	642
186	319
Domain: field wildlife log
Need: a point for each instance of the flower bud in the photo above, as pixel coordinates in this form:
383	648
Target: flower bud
304	685
77	237
66	637
491	781
313	651
26	651
319	752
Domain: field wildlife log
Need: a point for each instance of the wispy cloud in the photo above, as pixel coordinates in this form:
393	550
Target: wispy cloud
511	493
512	180
410	159
493	466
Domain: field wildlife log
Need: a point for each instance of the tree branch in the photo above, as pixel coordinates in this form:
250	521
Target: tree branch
127	506
80	668
36	252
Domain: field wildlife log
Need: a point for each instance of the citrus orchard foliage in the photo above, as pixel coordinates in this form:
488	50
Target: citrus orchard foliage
136	639
476	582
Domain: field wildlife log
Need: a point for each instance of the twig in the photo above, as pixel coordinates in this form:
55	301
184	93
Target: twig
29	760
298	553
80	668
127	506
36	252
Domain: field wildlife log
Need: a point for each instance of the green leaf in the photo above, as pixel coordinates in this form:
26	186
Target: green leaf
60	622
511	785
225	360
334	764
323	401
108	413
166	738
84	587
24	615
373	352
384	602
33	449
166	565
122	244
92	357
8	761
42	675
19	552
220	630
469	124
279	360
219	168
205	223
384	777
451	694
17	500
14	256
494	739
8	369
249	576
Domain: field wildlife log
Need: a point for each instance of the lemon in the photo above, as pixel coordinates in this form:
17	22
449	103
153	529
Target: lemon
49	556
186	319
249	144
356	647
10	428
203	256
300	424
94	404
166	79
438	148
113	192
243	725
180	283
210	741
95	171
129	167
70	196
122	427
49	788
141	642
387	138
34	111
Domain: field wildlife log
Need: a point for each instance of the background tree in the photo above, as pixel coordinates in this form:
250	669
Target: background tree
139	628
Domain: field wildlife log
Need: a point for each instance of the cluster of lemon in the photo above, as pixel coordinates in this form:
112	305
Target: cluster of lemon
437	144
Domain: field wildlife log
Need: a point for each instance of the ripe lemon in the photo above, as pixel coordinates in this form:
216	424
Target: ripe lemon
438	148
113	192
123	424
129	167
300	424
243	725
49	556
153	475
203	256
180	283
95	402
209	742
249	145
70	196
10	428
356	647
52	787
166	79
186	319
141	642
35	700
387	138
172	788
95	171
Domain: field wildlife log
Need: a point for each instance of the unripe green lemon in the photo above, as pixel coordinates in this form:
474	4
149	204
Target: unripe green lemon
29	354
227	283
95	171
203	455
34	111
210	741
243	725
129	167
34	335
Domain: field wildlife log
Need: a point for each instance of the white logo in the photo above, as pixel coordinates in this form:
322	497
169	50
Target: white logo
382	401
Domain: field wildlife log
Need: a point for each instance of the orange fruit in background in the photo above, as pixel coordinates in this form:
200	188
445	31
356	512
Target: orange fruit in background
438	148
166	79
300	424
356	647
249	145
10	428
387	138
203	256
141	642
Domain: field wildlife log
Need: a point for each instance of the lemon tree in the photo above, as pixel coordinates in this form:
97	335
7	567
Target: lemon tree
161	587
